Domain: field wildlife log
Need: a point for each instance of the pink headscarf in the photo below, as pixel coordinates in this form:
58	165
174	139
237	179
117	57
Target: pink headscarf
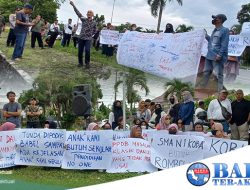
91	126
174	126
8	126
162	125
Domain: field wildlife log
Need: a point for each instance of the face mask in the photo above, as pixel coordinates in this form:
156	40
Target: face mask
214	21
172	132
171	101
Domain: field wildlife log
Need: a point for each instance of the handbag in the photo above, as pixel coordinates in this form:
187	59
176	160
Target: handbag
226	114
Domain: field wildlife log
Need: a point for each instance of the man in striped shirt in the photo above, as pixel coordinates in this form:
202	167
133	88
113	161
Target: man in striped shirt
88	30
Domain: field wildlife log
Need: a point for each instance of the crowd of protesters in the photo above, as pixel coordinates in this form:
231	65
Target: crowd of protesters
222	119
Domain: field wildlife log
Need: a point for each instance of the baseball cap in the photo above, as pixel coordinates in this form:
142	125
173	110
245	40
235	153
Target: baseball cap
220	16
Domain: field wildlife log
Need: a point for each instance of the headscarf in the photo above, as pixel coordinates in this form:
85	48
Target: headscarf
133	131
118	112
8	126
174	126
158	114
187	97
91	126
162	124
169	28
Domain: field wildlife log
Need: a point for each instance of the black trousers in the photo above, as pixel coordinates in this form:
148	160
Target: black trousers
11	38
81	45
66	40
36	36
75	40
52	39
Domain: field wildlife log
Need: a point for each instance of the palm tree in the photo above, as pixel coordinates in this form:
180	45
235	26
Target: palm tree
177	87
183	28
157	7
134	79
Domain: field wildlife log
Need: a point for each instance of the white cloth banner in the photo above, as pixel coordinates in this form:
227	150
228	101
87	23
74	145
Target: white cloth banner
217	146
170	151
40	147
166	55
88	150
126	134
7	148
109	37
131	155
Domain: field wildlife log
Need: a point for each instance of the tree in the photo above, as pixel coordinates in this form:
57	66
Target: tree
133	79
100	20
183	28
244	14
177	87
46	8
157	7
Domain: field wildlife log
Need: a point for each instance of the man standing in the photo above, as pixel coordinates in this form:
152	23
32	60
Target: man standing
36	32
67	32
12	110
214	111
54	31
21	30
240	117
85	37
12	37
33	112
217	51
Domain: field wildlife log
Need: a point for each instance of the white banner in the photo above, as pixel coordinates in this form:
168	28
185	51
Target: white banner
166	55
170	151
7	148
126	134
40	147
88	150
131	155
109	37
236	45
217	146
245	28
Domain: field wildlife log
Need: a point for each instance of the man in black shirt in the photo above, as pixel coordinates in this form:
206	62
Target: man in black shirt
239	123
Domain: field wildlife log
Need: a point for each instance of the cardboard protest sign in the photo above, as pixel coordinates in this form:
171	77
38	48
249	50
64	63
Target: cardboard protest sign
109	37
217	146
131	155
40	147
88	150
166	55
7	148
170	151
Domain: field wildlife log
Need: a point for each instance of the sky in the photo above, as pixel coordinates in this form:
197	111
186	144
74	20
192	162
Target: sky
196	13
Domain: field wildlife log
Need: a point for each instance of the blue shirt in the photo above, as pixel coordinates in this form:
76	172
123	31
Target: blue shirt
218	43
186	113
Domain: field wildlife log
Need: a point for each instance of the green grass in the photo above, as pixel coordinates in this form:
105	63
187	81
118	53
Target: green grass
64	178
62	62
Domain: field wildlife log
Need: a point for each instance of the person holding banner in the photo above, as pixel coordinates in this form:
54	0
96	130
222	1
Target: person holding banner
84	41
217	51
93	127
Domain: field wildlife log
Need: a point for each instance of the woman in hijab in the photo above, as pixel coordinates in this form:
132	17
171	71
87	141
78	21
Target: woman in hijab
174	108
158	113
93	127
186	111
173	129
169	28
116	113
164	123
143	112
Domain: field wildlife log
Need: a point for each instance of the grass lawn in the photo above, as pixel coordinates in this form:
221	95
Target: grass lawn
62	62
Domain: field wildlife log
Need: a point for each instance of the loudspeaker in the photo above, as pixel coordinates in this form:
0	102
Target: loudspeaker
81	104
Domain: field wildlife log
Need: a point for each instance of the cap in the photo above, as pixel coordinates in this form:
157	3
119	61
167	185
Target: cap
28	6
220	16
224	91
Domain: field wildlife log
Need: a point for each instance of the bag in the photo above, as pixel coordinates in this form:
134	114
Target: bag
226	114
